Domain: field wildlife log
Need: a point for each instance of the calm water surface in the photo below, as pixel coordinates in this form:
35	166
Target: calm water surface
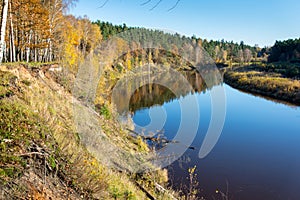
256	157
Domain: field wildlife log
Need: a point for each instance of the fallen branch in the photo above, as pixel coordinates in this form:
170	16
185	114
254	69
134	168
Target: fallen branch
162	189
154	139
160	140
32	153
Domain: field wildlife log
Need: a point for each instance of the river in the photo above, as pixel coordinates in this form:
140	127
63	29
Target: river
255	157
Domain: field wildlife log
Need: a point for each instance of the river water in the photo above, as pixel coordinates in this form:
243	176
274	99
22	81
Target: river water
256	156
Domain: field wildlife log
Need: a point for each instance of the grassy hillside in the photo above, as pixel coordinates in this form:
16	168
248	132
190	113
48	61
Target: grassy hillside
41	155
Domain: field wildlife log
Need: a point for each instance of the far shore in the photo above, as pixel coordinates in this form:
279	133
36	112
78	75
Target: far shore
257	80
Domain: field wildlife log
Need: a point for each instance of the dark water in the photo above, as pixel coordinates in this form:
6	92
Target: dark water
257	155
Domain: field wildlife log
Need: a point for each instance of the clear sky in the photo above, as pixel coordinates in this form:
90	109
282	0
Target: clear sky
253	21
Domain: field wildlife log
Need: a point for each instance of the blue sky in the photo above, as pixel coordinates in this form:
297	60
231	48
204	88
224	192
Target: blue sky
255	22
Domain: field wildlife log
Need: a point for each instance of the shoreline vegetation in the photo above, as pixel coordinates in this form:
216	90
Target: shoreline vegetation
276	76
274	80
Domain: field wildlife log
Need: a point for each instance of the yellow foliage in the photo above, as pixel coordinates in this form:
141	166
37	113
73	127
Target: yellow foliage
129	66
121	46
128	61
79	38
71	38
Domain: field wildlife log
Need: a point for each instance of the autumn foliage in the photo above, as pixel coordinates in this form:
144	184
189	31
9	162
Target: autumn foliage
40	31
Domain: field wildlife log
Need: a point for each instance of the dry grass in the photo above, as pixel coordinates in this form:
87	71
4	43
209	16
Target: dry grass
79	173
270	84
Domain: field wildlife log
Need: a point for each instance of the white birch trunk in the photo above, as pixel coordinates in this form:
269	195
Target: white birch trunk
13	48
28	48
3	28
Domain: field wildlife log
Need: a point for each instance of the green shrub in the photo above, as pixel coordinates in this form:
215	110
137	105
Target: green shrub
104	111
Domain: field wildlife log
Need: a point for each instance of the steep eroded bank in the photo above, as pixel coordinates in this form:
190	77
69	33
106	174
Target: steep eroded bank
41	153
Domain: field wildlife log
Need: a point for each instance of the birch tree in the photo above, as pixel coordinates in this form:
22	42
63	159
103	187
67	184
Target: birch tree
12	38
3	28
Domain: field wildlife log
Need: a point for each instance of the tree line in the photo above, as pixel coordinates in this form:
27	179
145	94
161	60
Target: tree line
221	51
41	31
283	51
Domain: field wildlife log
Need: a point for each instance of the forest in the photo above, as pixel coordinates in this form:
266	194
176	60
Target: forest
48	34
288	50
39	31
221	51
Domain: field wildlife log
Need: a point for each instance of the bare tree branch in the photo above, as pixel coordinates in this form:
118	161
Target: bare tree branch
177	2
103	4
155	5
145	3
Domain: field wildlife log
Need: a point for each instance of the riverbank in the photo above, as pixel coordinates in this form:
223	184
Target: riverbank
264	81
42	155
